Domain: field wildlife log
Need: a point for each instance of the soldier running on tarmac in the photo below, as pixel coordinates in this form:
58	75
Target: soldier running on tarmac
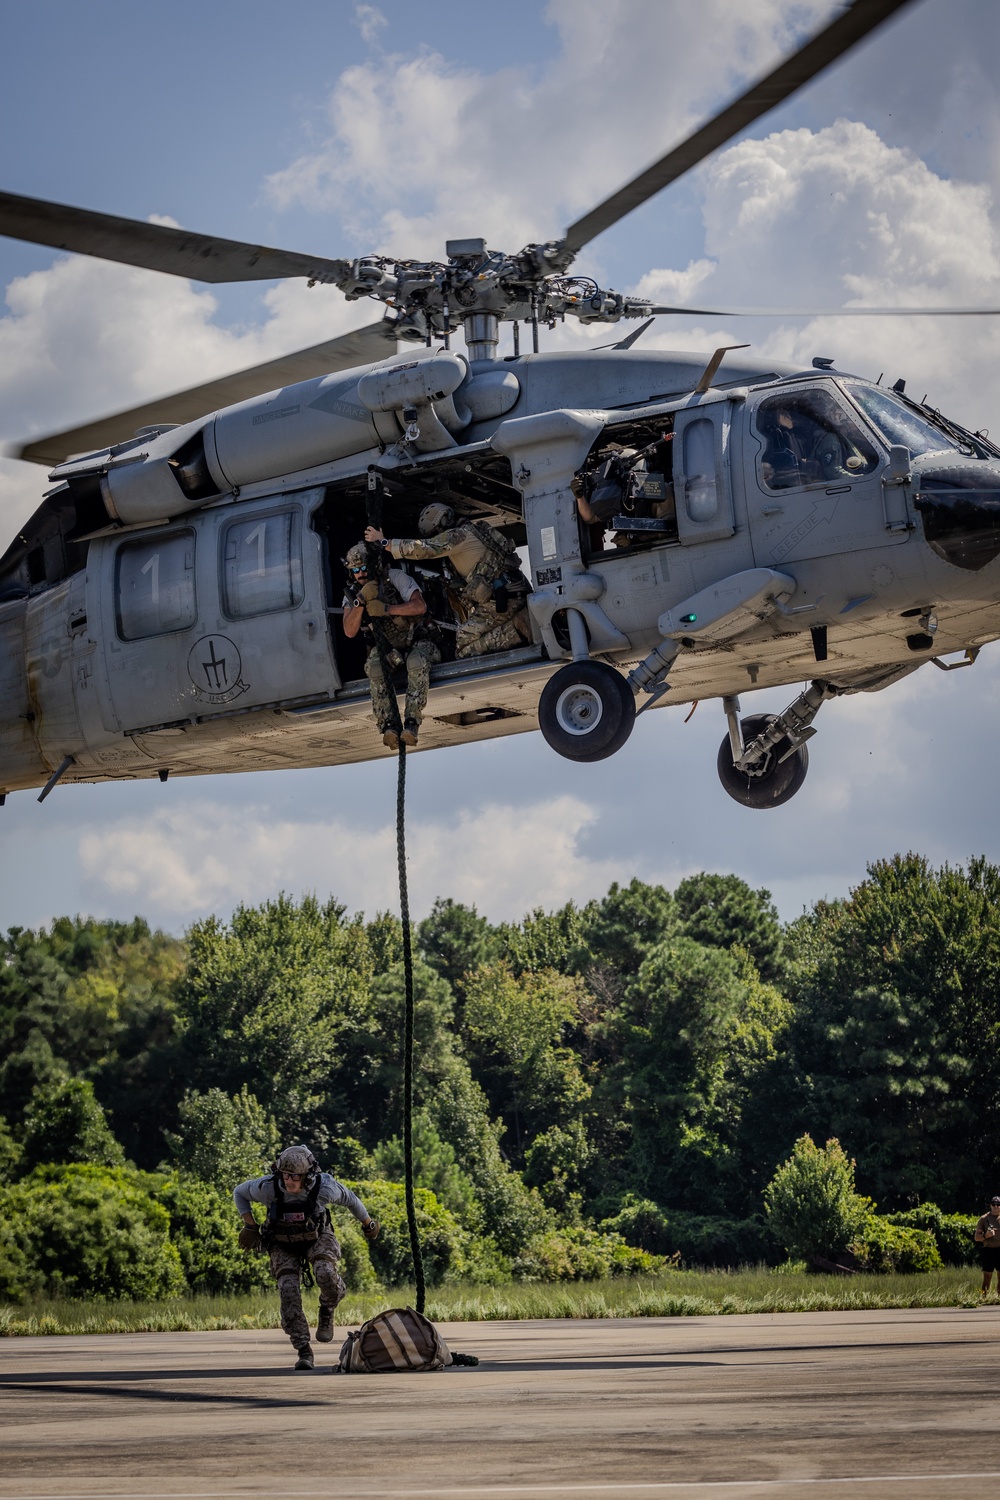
396	601
489	591
297	1232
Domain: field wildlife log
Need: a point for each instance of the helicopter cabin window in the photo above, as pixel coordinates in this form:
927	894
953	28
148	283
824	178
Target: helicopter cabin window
809	438
701	489
154	585
262	564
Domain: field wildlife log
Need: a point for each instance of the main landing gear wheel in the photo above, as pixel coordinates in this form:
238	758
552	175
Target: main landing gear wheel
774	781
586	711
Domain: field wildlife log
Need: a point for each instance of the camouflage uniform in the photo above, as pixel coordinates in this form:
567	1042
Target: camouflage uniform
479	556
323	1255
408	641
288	1260
419	659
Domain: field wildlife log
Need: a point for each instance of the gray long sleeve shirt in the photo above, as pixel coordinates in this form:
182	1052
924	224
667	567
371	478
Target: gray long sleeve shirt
332	1194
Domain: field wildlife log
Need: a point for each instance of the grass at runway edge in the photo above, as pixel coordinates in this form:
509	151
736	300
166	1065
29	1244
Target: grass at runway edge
678	1294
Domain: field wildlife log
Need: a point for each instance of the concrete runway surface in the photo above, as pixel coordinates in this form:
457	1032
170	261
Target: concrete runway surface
896	1405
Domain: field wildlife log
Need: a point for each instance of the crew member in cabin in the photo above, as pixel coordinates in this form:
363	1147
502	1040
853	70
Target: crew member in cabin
488	591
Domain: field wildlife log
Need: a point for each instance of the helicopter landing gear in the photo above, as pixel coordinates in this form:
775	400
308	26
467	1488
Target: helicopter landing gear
586	711
763	760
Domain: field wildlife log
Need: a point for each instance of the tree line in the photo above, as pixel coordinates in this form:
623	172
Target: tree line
593	1084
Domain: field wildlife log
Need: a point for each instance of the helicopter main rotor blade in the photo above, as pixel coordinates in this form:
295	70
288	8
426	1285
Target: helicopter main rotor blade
362	347
829	312
202	257
796	71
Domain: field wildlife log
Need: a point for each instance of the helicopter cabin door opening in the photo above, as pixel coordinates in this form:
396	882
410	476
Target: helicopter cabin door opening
222	612
814	473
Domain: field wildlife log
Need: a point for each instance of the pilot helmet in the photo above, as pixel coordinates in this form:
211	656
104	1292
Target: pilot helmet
435	517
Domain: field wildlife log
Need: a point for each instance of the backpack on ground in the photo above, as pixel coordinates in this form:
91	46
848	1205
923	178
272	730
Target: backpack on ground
394	1342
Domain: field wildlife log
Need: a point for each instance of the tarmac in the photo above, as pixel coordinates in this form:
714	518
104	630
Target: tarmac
802	1406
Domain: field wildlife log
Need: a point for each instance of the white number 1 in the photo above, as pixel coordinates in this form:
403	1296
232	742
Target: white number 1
153	566
258	535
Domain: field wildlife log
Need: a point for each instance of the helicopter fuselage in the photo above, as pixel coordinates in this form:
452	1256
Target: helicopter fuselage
173	605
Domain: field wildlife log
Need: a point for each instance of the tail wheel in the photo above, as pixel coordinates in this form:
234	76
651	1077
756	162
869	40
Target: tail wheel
771	783
586	711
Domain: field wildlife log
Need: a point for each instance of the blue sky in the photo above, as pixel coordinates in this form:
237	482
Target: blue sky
341	127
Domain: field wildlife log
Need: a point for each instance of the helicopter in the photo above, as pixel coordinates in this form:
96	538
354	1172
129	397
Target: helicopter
696	526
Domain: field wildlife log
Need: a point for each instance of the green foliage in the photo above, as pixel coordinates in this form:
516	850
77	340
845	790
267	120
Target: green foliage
356	1265
673	1031
720	910
96	999
10	1152
515	1029
628	924
555	1164
953	1233
204	1227
267	1001
811	1203
435	1166
896	1026
89	1231
883	1246
699	1239
442	1238
511	1212
582	1254
455	940
544	940
645	1060
64	1123
223	1139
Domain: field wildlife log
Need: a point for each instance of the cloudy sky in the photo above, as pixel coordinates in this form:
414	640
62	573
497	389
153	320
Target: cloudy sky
338	127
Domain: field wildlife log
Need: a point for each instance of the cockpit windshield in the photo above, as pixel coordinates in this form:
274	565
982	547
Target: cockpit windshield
897	422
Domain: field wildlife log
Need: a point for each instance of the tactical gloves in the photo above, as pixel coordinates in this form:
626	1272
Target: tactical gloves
369	597
250	1237
372	1229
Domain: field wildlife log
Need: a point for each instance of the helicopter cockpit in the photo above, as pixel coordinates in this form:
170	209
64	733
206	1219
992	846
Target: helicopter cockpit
811	438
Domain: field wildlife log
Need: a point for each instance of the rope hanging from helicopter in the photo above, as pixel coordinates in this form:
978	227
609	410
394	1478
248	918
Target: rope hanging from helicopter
374	510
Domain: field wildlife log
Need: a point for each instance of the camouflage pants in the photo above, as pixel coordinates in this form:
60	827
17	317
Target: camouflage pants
485	631
286	1268
419	659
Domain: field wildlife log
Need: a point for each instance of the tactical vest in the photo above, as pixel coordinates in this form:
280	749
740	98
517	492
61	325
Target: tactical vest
295	1224
398	631
496	571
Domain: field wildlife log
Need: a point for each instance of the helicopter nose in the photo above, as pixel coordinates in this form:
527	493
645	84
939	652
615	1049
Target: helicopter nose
959	504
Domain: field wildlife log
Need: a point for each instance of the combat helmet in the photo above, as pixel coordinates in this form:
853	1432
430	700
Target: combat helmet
297	1159
357	557
435	517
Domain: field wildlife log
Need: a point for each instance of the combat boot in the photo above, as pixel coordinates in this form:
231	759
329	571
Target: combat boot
391	738
324	1325
410	730
305	1360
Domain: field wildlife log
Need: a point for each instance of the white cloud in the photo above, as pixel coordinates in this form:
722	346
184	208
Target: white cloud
86	337
837	217
421	148
370	22
502	858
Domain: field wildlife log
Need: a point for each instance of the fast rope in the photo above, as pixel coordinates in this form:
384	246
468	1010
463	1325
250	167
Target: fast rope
375	519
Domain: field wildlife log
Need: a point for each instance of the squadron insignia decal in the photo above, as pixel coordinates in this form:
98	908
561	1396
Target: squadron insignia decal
216	669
